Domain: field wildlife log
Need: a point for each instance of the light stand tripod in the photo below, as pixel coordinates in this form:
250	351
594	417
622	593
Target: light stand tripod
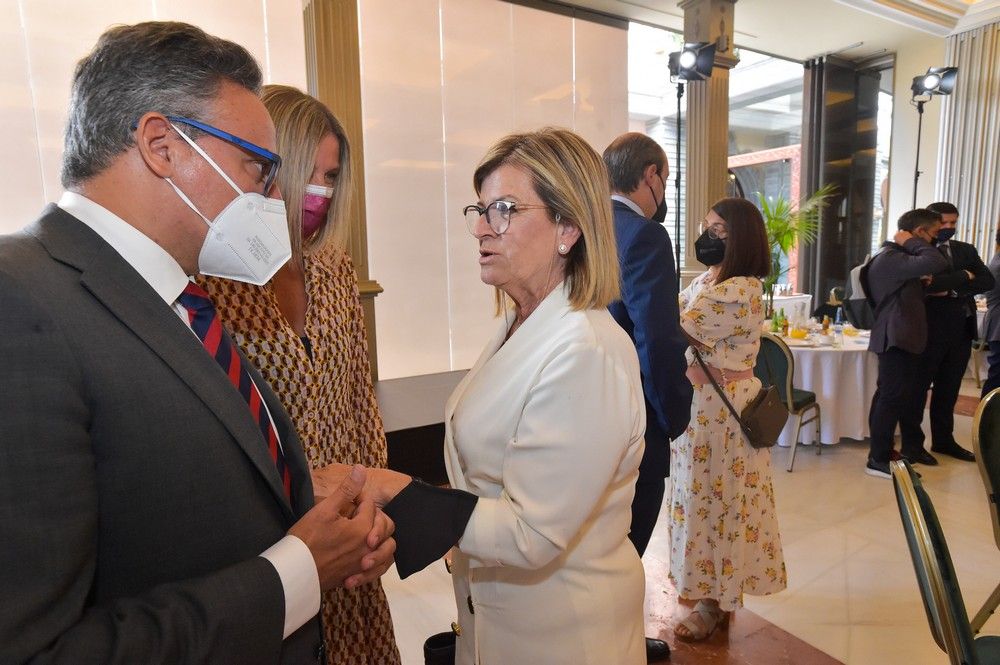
692	63
937	81
677	189
916	166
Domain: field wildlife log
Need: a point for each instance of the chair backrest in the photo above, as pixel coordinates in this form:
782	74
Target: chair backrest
775	366
942	596
986	444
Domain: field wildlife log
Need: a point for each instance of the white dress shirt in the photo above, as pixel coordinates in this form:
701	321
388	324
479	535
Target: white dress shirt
290	557
630	203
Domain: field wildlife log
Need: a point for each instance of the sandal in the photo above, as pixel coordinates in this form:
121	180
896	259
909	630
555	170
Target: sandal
702	622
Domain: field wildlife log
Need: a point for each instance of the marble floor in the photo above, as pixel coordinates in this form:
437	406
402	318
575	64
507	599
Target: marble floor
852	596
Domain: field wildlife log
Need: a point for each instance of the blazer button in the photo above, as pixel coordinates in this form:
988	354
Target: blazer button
455	628
468	599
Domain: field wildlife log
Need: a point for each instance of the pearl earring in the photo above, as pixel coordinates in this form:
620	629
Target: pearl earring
562	248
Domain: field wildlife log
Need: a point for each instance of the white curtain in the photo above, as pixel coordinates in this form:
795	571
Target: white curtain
969	148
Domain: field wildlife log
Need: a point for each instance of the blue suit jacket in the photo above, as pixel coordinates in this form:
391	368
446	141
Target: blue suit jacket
649	314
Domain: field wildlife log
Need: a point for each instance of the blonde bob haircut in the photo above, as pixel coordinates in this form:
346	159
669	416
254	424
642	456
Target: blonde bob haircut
572	180
301	122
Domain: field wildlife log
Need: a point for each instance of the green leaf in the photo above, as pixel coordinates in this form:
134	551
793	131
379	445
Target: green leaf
787	226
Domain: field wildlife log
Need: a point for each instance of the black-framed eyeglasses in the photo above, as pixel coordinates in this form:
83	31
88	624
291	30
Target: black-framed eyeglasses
497	214
717	232
269	162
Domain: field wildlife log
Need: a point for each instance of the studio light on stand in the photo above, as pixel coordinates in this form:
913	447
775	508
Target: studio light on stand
693	62
937	81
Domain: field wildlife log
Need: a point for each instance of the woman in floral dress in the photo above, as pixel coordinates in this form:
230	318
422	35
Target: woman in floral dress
724	539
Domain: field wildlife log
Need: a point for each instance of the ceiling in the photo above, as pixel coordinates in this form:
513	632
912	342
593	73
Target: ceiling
802	29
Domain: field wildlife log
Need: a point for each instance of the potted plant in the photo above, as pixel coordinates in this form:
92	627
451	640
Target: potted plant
787	227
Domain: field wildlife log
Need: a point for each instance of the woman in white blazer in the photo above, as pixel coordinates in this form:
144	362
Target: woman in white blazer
547	427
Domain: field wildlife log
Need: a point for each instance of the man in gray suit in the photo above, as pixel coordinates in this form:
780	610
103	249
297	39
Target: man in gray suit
143	517
893	282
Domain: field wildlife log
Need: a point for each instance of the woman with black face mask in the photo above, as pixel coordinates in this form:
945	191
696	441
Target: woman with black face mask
724	538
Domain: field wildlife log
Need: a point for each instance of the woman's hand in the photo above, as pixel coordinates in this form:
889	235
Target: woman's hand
382	484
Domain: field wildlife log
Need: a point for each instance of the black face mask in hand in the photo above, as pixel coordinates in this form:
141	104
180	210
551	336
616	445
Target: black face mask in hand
708	250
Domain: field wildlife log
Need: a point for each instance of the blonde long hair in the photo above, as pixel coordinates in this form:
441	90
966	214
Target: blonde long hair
572	180
301	122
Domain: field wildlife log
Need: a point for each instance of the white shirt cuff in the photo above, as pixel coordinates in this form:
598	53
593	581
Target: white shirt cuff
299	580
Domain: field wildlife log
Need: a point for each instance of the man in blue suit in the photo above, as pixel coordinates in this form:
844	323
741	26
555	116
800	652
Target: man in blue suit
648	312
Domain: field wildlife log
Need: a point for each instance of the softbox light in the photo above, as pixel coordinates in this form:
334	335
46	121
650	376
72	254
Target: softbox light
937	81
694	62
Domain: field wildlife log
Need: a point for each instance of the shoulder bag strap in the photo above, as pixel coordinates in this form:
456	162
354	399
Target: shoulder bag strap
718	389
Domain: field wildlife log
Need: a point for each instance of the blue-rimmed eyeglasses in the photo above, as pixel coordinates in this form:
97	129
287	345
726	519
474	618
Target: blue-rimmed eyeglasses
497	214
269	162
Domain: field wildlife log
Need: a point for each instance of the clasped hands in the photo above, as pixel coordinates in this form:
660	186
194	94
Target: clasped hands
927	279
347	533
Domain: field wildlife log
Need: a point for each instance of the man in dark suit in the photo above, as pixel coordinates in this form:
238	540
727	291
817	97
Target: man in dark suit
143	514
951	327
648	312
892	282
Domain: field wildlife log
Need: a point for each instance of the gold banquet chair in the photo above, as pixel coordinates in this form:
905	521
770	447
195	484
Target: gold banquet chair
776	367
936	577
986	445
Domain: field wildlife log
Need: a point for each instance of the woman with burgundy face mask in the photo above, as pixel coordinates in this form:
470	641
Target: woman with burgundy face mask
724	538
305	332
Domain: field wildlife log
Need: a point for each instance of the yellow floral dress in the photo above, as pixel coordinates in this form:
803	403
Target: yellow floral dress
724	539
331	400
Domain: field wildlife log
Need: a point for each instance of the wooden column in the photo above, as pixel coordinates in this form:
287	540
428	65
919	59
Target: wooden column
707	118
333	68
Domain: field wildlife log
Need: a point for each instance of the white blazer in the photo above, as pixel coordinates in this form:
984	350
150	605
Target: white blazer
547	429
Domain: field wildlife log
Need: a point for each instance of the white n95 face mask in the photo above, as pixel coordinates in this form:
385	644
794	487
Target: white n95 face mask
248	241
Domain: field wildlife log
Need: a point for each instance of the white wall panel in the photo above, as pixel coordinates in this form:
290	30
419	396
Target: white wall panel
913	58
601	111
286	61
21	185
404	183
542	60
441	81
42	40
478	109
58	34
241	21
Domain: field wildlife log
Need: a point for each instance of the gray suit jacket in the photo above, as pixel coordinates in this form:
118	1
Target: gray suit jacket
135	489
891	281
991	324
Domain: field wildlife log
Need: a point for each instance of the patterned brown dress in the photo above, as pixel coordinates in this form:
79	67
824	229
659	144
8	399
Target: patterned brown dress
332	402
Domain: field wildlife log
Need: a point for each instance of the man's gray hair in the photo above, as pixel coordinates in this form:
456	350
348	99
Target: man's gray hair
628	156
171	68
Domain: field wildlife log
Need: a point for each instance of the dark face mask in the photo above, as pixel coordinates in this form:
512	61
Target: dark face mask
708	250
945	234
660	214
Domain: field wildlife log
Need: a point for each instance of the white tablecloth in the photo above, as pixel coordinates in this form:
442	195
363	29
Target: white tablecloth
844	380
797	307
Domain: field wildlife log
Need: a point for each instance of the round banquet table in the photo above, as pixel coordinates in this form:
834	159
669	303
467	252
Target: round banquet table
844	380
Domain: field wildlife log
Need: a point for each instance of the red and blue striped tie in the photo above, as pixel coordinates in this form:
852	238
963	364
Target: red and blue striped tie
206	324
